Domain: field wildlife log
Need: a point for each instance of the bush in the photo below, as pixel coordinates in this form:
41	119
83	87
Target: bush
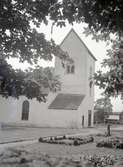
100	161
40	139
111	143
64	137
76	142
23	160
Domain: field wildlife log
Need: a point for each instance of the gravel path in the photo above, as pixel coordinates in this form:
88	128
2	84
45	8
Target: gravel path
12	134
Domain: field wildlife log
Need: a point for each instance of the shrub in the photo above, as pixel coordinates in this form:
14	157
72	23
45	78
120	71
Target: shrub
64	137
111	143
40	139
23	160
76	142
100	161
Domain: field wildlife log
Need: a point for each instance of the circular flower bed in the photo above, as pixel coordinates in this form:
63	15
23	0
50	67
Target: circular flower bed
67	140
113	142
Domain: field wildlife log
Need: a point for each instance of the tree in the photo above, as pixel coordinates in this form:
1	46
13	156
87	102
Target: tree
104	18
99	116
19	39
104	103
102	108
112	80
34	83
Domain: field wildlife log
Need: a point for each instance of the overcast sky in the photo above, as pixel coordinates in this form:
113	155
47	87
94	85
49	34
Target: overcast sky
97	48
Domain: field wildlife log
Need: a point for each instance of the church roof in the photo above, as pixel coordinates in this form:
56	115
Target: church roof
72	30
67	101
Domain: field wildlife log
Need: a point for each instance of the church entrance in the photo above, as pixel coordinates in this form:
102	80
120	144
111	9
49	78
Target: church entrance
89	118
25	110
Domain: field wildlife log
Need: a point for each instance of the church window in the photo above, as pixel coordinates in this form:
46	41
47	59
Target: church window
90	72
90	81
70	69
25	110
90	87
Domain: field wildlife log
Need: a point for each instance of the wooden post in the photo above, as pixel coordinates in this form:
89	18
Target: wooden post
108	130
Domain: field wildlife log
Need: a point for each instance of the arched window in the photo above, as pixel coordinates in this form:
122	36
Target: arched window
25	110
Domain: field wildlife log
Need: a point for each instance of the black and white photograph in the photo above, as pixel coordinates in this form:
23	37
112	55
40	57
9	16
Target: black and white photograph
61	83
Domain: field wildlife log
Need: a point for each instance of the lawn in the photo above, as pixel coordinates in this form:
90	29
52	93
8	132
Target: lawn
60	155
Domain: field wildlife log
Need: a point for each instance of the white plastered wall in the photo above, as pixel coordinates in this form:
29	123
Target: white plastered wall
79	82
39	114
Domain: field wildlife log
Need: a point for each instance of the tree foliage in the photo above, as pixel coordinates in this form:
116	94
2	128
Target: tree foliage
102	108
34	83
19	39
112	80
99	116
103	103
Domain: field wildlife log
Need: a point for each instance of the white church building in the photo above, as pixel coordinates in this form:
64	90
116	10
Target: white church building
72	106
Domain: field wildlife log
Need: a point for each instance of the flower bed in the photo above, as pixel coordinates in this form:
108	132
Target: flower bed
67	140
100	161
22	158
113	142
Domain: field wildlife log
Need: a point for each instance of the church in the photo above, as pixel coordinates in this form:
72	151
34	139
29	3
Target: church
72	106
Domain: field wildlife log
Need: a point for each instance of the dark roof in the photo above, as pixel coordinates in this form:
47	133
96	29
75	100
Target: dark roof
67	101
80	41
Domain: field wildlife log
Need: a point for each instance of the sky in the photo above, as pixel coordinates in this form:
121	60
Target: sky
98	49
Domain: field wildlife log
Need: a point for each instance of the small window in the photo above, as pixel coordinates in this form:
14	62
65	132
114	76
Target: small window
70	69
90	75
91	82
